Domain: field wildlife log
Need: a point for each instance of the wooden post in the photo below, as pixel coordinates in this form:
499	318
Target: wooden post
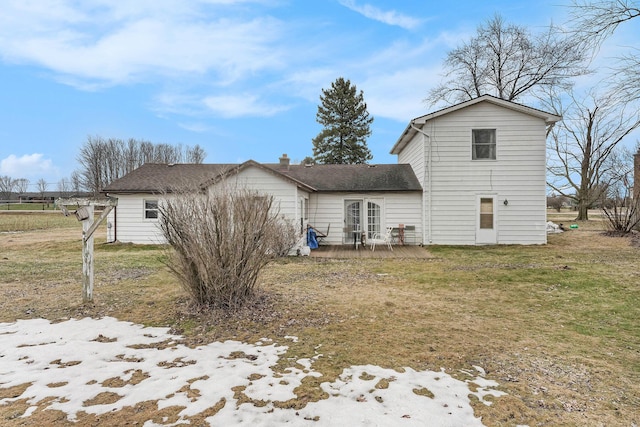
85	214
87	257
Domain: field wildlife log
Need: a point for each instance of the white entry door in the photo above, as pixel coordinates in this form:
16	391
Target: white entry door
486	220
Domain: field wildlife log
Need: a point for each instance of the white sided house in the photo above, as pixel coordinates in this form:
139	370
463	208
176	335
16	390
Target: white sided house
473	173
337	200
482	166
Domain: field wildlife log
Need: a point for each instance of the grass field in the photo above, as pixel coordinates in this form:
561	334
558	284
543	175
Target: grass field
27	206
558	326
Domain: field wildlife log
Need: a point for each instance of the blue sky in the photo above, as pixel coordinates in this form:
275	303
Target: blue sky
241	78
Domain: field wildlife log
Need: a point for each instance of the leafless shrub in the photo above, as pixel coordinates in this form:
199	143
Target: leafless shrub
620	207
622	213
222	240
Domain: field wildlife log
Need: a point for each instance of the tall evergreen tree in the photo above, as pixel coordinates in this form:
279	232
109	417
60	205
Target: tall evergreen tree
346	121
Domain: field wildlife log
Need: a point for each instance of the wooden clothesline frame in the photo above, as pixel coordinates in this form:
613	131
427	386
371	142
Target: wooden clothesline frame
85	214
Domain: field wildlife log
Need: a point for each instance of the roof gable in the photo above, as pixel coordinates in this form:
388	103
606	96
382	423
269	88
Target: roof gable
411	128
252	163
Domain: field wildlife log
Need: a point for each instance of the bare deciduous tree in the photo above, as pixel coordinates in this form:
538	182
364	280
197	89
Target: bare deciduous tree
7	185
42	188
195	154
64	187
506	61
580	146
627	77
594	21
21	185
104	160
221	242
556	202
76	182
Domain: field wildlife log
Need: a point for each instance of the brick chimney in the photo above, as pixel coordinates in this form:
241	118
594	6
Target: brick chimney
284	162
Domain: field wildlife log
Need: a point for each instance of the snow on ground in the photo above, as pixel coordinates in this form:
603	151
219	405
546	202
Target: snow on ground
76	360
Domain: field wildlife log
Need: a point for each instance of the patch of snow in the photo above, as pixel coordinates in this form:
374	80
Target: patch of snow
480	370
72	362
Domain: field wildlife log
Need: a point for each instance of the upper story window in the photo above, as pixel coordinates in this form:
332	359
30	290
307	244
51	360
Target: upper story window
483	144
151	209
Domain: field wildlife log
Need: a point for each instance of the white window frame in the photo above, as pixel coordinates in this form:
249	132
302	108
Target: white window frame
490	144
146	210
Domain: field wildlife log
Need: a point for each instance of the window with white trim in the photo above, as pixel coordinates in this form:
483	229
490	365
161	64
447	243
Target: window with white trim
483	144
150	209
486	213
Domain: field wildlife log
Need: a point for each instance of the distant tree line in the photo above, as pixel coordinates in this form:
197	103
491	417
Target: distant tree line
103	160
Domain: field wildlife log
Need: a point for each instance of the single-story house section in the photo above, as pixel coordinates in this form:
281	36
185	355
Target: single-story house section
473	173
337	200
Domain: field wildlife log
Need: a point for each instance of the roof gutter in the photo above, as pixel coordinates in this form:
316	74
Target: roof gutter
426	175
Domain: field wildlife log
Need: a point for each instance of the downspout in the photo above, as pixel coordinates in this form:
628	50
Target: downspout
115	222
427	173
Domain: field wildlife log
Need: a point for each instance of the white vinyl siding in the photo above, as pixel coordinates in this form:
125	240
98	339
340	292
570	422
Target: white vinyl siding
517	175
132	226
129	222
396	208
285	193
414	155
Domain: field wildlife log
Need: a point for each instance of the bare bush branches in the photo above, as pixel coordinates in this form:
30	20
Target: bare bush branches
620	206
622	213
221	242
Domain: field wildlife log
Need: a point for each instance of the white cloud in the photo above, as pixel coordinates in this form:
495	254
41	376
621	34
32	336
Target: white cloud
196	127
209	46
230	106
400	95
26	166
122	42
387	17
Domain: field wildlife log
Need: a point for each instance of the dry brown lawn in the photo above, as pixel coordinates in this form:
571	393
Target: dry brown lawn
558	326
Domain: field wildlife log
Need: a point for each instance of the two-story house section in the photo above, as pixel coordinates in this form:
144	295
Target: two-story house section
482	167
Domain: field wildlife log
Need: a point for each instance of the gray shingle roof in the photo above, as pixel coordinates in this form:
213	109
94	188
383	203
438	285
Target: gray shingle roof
154	177
157	177
387	177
